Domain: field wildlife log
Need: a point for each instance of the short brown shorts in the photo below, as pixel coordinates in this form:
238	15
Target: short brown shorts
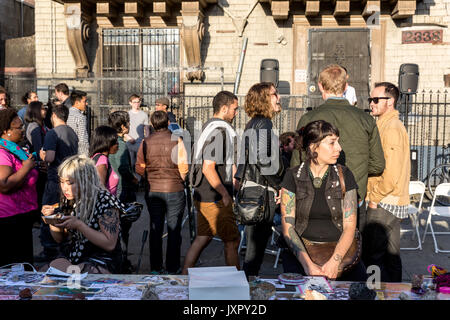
213	218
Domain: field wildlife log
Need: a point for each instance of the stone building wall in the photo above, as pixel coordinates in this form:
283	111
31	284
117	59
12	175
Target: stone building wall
53	55
433	59
222	46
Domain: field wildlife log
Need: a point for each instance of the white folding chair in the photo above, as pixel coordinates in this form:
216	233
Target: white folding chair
415	187
442	189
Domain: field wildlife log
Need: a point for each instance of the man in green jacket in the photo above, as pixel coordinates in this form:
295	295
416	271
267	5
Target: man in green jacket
361	151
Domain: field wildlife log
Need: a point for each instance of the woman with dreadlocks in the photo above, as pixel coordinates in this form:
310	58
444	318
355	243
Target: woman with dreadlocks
93	225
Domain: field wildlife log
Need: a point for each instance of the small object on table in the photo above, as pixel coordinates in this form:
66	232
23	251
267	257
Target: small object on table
445	290
404	296
429	295
359	291
436	271
79	296
261	290
291	278
442	281
25	294
150	293
314	295
416	284
428	284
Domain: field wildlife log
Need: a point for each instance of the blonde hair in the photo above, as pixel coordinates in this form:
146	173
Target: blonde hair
82	169
258	100
333	79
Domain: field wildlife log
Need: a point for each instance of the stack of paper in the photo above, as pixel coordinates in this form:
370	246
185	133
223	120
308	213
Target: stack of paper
218	283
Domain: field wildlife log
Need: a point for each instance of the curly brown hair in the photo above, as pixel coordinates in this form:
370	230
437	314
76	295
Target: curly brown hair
257	100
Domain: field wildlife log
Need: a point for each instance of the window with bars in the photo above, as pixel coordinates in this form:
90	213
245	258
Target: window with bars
143	61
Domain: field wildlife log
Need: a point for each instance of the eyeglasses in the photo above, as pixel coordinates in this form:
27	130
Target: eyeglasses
376	99
138	101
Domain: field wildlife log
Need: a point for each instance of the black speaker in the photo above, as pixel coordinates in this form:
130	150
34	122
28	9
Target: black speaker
270	71
408	78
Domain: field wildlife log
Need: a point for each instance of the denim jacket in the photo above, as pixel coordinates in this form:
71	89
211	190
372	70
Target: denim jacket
304	196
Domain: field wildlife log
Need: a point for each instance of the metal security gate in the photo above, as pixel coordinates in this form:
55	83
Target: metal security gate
150	56
346	47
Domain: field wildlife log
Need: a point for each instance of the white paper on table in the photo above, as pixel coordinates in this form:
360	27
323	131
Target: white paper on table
58	273
218	285
202	270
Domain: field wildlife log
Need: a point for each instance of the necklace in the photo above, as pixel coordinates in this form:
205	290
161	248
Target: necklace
317	181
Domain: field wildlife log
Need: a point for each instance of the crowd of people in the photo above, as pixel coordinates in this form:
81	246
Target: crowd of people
338	185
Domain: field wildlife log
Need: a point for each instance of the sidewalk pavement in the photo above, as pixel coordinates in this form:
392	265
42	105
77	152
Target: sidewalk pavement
413	261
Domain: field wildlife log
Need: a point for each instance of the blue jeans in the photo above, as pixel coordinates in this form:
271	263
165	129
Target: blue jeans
169	205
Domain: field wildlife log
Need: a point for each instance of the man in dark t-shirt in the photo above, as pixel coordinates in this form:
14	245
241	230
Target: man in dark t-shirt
59	143
213	196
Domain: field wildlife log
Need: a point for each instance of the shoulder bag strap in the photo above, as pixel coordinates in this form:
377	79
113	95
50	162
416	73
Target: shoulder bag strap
341	180
144	153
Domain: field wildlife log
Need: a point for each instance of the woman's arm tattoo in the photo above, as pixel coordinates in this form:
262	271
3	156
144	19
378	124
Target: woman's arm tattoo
350	205
292	239
288	199
110	221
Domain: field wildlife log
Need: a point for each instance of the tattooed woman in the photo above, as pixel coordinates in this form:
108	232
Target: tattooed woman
312	209
92	228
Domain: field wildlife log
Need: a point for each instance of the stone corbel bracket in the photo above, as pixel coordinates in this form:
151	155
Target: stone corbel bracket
77	31
192	32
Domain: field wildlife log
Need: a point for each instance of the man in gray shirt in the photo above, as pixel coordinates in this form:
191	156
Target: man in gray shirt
77	120
138	127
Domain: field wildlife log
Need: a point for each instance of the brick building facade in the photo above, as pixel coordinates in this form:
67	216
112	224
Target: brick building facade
365	36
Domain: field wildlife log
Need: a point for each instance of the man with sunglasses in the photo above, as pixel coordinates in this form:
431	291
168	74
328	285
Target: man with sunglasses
361	151
388	194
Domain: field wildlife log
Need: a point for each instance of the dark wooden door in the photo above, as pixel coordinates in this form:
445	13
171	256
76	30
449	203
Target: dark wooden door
347	47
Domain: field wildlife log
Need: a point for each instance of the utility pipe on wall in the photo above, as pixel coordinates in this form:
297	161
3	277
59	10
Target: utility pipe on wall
241	63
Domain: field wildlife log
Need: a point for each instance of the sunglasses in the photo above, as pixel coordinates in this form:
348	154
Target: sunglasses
376	99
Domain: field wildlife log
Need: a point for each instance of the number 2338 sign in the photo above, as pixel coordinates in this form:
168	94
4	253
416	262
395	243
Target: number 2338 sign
422	36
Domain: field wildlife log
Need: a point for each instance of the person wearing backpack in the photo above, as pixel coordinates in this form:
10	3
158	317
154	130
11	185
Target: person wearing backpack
105	142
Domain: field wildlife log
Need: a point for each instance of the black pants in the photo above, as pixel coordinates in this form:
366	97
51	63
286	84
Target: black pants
126	196
362	217
51	196
381	244
170	206
292	265
256	242
16	239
